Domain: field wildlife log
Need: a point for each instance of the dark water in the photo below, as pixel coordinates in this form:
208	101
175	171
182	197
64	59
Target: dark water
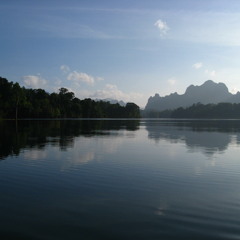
112	179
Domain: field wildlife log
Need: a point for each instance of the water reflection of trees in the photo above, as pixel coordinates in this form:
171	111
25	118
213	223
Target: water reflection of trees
37	134
209	136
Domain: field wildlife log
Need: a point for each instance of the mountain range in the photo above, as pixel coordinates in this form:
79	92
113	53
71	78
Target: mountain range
112	101
208	92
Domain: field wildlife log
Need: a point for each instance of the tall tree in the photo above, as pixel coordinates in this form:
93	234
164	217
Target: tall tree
18	97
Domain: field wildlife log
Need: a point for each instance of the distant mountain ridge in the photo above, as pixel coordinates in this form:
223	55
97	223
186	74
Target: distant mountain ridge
112	101
208	92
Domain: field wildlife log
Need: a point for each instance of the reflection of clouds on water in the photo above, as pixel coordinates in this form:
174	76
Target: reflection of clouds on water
110	145
161	210
79	150
34	154
198	171
83	157
236	139
88	149
62	134
77	158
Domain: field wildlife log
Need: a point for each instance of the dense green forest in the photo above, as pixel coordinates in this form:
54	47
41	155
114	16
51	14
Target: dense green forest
18	102
220	110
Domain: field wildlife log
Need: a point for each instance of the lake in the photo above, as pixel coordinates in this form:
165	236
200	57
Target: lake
120	179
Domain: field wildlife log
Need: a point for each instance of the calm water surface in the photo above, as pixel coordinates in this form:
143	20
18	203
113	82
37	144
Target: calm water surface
120	179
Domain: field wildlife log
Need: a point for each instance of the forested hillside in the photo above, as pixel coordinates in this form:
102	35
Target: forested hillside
220	110
18	102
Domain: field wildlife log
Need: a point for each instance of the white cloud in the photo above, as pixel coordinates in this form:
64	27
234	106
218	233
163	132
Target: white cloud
112	91
99	79
58	82
34	81
197	65
234	90
79	77
171	81
162	26
64	68
211	73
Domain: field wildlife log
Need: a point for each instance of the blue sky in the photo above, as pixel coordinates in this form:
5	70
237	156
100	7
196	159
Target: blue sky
126	50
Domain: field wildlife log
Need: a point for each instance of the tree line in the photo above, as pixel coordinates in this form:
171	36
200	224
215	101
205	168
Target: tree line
198	110
18	102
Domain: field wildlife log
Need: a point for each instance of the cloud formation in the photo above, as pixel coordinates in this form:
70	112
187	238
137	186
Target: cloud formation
197	65
210	73
171	81
162	26
112	91
34	81
79	77
64	68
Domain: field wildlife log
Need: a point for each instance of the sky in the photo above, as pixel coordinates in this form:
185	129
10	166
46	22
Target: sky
126	50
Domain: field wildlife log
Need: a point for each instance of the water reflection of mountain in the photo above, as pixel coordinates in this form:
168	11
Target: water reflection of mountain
37	134
208	136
